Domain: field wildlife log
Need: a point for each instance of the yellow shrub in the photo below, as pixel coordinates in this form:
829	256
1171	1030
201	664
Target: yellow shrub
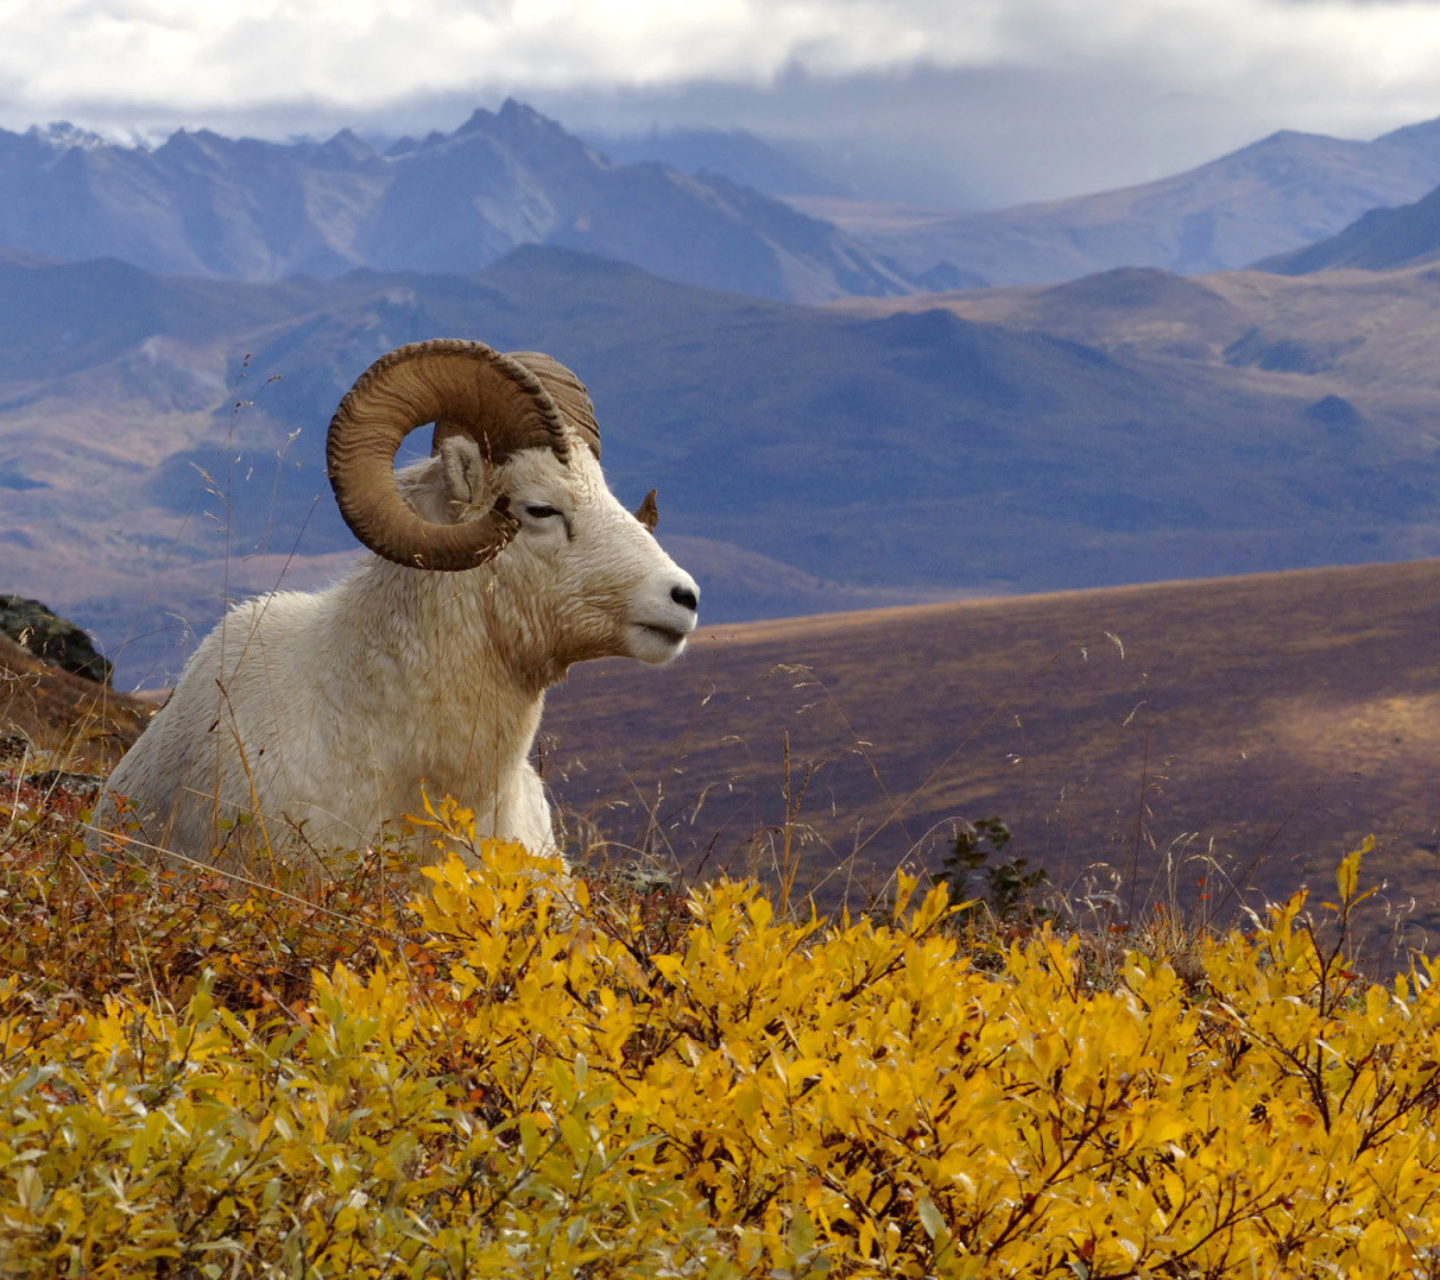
516	1086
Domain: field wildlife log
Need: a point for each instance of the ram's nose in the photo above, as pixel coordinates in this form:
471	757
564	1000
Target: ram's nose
687	596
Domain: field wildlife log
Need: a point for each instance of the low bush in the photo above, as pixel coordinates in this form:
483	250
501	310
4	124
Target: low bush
503	1073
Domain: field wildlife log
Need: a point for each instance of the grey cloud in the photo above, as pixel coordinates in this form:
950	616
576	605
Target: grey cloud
989	101
967	138
960	138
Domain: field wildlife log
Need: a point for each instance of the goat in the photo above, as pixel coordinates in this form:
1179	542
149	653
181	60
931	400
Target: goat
315	719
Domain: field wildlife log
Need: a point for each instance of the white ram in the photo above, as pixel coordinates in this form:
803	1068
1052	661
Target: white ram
316	719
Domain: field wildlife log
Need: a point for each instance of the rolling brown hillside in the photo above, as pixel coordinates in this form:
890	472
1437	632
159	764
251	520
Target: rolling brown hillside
1271	720
72	723
1348	332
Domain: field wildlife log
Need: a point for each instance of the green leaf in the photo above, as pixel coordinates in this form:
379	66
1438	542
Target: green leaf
930	1216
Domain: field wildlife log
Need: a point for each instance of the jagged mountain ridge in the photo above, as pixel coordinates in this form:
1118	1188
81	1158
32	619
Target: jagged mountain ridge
209	206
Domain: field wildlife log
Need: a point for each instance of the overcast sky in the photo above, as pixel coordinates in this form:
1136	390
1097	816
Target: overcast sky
977	101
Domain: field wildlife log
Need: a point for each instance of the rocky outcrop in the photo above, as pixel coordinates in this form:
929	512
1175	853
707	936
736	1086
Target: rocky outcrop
34	627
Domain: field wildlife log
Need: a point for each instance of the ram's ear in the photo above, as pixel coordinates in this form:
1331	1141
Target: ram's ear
647	512
464	470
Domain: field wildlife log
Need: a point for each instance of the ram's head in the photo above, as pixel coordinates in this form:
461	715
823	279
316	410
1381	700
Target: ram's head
514	483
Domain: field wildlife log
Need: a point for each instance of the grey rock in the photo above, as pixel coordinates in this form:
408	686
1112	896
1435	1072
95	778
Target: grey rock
55	639
15	743
644	879
84	785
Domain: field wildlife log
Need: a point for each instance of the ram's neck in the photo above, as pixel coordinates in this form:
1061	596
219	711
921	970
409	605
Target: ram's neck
427	656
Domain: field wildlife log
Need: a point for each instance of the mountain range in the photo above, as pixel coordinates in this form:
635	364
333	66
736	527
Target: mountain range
697	206
1272	197
210	206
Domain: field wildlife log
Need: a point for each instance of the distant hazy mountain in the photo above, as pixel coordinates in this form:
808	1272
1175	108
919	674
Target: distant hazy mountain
1274	196
161	440
210	206
1381	240
766	165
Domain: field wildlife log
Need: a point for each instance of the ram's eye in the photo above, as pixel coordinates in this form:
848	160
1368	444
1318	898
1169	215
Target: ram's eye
541	512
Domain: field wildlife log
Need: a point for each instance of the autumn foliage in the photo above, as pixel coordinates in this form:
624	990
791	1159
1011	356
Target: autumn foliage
509	1073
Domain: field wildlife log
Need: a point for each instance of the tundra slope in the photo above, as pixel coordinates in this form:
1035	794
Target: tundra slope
318	720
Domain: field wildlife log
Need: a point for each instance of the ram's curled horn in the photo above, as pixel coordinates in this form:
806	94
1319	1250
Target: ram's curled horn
462	386
647	512
567	391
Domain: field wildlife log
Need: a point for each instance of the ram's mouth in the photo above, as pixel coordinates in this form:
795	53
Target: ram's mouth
667	634
656	642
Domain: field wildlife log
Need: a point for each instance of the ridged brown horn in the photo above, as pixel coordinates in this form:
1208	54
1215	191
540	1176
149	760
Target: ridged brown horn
647	512
567	391
463	385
